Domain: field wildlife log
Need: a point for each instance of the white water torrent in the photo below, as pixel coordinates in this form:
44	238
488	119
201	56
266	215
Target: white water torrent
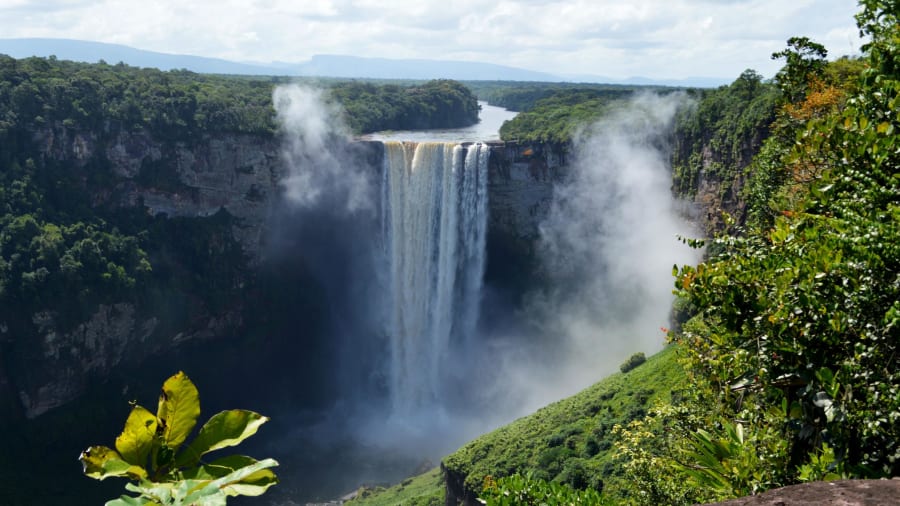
434	220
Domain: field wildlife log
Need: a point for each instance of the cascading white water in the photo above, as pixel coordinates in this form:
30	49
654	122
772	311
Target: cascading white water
434	221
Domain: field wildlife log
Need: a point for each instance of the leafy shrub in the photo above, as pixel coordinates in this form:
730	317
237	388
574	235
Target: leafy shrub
517	490
796	336
633	361
147	452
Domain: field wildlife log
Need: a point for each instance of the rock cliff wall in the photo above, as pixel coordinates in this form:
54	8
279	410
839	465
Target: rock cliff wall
520	186
235	172
197	180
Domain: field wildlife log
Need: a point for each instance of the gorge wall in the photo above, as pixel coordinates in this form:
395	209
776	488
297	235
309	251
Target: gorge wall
231	183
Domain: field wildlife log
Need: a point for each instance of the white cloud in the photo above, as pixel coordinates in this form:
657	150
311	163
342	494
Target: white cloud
656	38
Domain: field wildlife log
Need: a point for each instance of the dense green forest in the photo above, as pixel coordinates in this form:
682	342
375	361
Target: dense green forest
436	104
553	112
182	104
793	340
732	120
171	105
557	117
522	96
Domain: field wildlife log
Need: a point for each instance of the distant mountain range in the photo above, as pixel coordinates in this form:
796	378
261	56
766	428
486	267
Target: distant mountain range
318	65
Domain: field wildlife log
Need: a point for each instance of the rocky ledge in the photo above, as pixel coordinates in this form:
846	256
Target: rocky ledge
827	493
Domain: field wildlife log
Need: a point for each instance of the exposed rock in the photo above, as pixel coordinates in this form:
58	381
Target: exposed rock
456	492
196	178
239	173
94	347
520	186
827	493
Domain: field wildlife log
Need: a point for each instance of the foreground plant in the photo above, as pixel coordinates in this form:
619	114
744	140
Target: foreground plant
517	490
147	452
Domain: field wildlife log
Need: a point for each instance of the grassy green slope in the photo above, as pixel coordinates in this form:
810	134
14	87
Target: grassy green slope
423	490
569	441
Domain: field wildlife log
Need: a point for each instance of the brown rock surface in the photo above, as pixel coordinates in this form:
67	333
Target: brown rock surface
827	493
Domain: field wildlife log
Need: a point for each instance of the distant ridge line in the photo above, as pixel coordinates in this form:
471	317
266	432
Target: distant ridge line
339	66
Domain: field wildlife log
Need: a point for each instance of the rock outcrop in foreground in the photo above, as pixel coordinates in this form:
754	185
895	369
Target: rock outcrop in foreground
827	493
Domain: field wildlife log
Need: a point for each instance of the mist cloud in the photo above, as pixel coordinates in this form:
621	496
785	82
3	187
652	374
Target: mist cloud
313	138
607	248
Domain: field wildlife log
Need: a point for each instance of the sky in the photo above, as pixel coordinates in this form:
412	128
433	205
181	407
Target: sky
664	39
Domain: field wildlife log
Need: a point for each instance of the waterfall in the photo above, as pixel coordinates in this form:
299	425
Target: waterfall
434	221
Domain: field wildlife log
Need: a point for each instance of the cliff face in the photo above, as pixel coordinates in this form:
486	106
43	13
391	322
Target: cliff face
193	183
714	143
521	182
456	493
197	178
715	191
520	186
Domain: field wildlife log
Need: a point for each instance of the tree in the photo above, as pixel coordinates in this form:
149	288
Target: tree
799	322
803	60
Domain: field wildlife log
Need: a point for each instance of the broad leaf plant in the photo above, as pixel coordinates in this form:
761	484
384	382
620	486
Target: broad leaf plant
151	452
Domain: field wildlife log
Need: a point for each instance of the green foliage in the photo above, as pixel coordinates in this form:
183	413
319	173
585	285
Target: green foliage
524	96
518	490
171	105
424	490
729	463
719	136
633	361
572	441
644	452
147	452
46	259
821	466
878	22
804	59
797	332
180	105
436	104
558	117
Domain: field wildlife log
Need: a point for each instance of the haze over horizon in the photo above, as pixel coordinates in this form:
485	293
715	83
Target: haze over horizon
570	38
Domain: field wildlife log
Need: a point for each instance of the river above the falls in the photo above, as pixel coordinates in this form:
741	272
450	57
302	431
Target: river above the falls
487	129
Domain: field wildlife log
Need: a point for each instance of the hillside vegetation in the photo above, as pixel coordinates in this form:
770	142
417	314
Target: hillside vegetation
570	441
523	96
436	104
559	116
793	343
180	105
787	334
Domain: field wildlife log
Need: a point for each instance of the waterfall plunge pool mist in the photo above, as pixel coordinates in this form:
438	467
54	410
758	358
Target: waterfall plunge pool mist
411	373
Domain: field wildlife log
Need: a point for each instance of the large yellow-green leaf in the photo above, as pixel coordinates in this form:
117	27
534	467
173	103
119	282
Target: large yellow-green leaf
136	440
218	468
253	484
225	429
126	500
251	480
101	462
179	407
